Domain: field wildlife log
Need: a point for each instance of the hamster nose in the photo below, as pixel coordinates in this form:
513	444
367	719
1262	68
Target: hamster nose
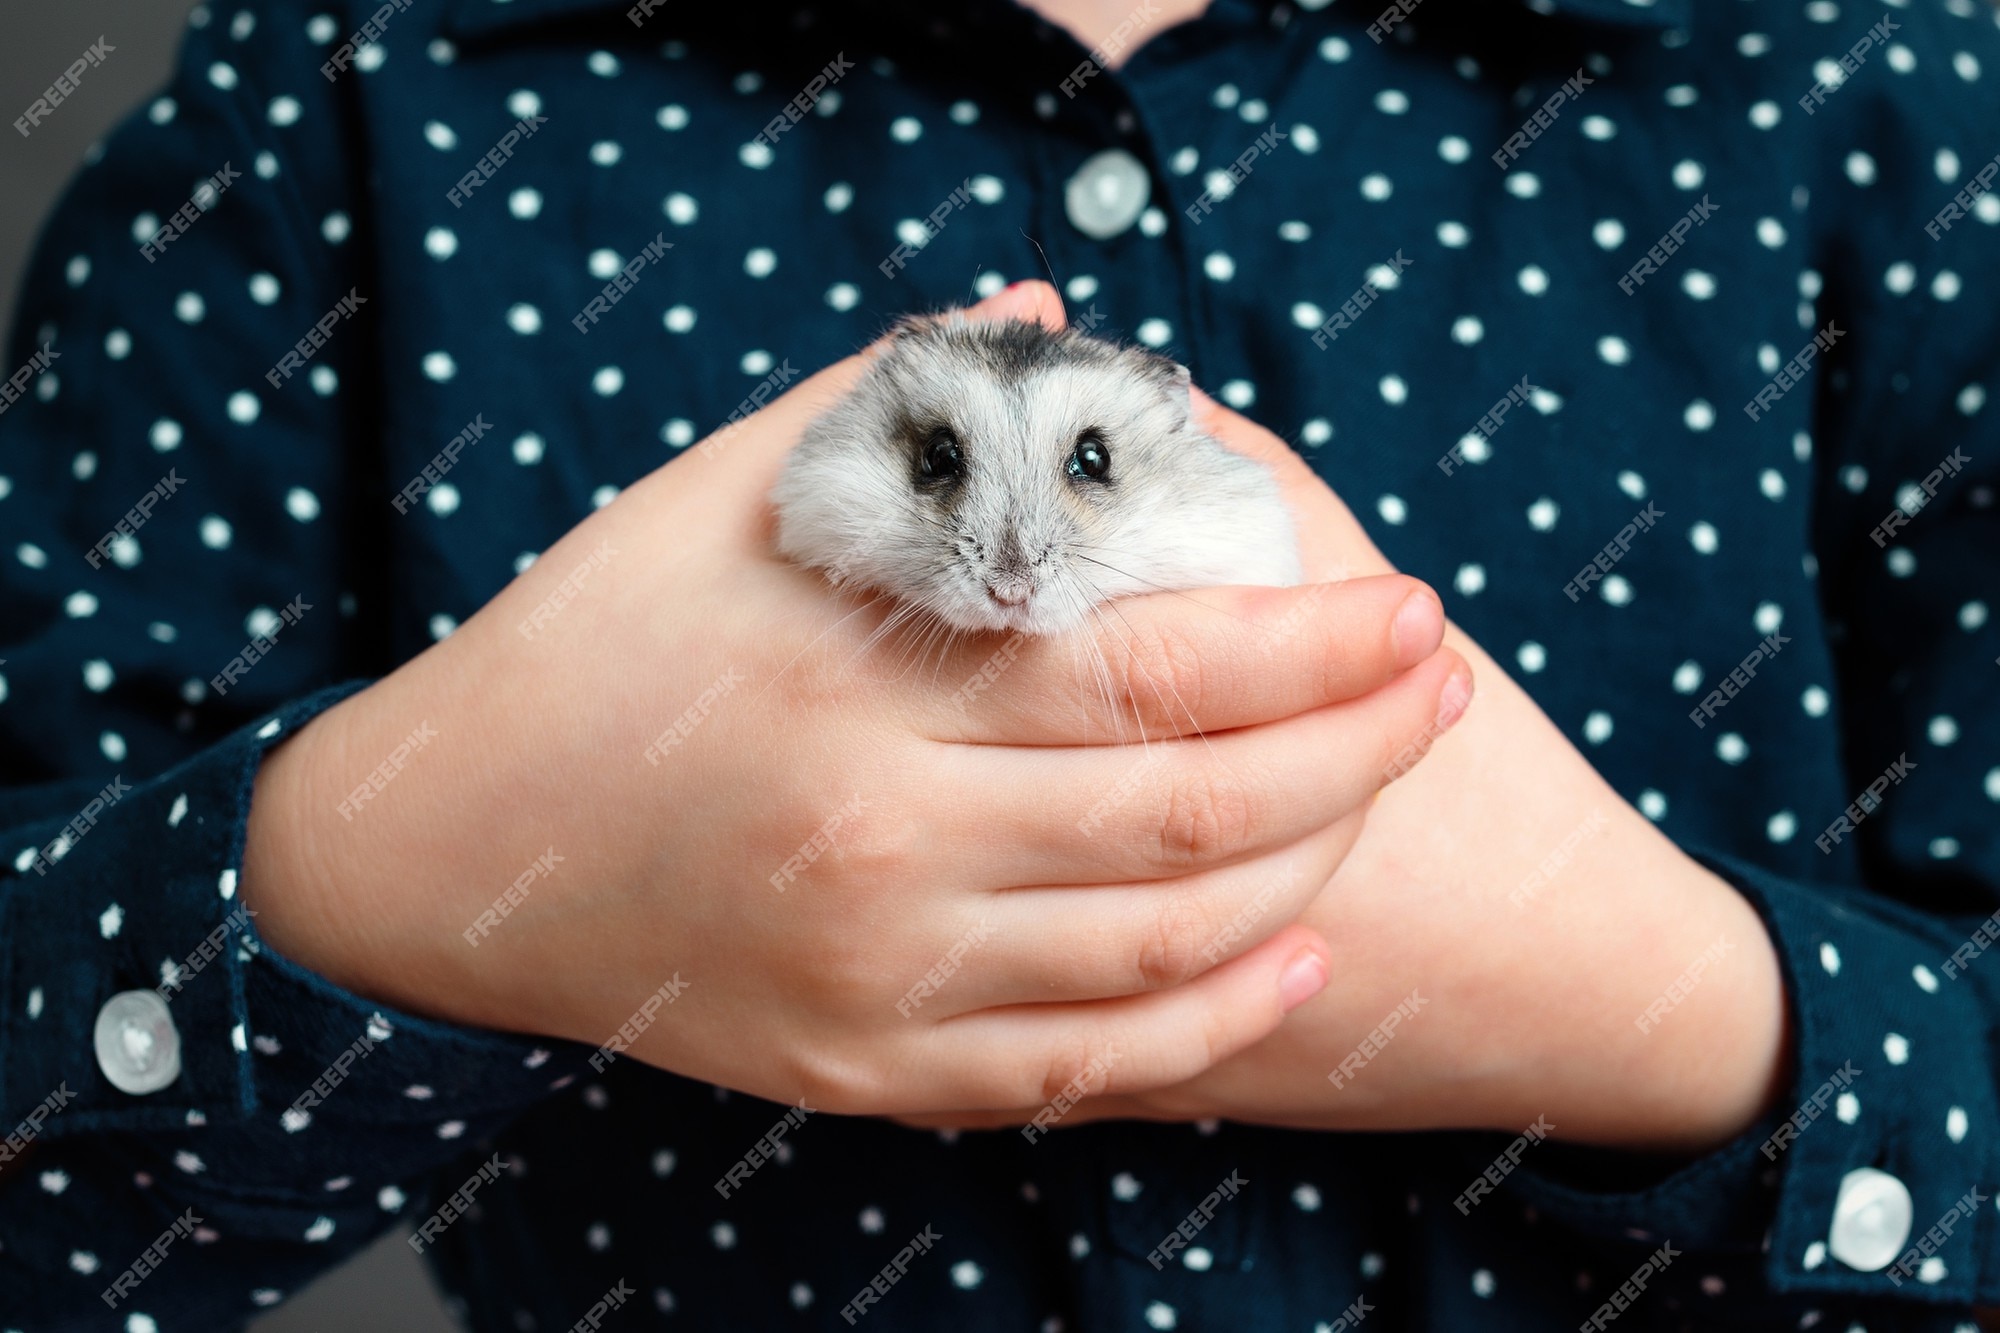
1009	591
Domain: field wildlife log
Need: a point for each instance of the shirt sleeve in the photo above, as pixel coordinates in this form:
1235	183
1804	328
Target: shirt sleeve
1895	1005
188	577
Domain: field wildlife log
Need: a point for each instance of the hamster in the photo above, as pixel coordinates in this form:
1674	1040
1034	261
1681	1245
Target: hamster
1005	476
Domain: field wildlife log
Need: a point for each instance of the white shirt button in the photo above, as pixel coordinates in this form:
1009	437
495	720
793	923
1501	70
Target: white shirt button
1107	194
138	1047
1871	1219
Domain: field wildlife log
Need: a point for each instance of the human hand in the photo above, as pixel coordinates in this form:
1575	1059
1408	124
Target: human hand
744	799
1533	989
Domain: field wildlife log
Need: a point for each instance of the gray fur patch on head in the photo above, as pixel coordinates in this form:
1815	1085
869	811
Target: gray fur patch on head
1018	539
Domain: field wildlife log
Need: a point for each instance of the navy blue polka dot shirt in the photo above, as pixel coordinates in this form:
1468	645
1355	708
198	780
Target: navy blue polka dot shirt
1658	336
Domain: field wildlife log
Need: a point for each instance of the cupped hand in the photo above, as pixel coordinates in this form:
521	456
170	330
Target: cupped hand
1509	940
885	877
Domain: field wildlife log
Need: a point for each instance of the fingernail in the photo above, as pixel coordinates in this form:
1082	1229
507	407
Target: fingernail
1418	628
1303	978
1457	693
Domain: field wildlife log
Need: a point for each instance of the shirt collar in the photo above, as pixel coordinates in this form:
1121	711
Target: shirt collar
482	17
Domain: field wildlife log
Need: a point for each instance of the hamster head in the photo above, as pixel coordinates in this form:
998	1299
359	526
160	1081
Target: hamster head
1004	476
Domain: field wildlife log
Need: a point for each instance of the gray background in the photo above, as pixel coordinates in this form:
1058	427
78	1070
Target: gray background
386	1289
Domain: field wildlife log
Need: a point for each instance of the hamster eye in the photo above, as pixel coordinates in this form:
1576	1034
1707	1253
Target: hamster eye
940	459
1091	459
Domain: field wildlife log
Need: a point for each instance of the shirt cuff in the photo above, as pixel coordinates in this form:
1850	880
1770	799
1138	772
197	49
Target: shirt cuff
135	890
1862	1177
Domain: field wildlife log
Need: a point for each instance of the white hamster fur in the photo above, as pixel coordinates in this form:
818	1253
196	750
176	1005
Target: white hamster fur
1004	476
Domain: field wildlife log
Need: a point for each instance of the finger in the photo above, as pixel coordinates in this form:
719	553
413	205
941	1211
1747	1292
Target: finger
1070	943
1172	665
1031	1055
1332	543
1130	812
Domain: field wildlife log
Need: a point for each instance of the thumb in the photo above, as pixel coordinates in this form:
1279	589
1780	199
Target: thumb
1333	546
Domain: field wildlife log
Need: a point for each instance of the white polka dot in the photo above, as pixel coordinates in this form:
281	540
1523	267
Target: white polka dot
1896	1049
1609	233
1698	284
1534	280
1782	826
1531	657
1482	1283
1829	958
440	243
1467	330
1614	351
243	407
1597	728
1955	1120
524	318
1702	536
1453	235
439	366
1376	187
440	136
607	381
1860	168
1764	115
1731	748
761	262
1699	416
1452	148
1848	1108
1688	174
301	504
678	319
